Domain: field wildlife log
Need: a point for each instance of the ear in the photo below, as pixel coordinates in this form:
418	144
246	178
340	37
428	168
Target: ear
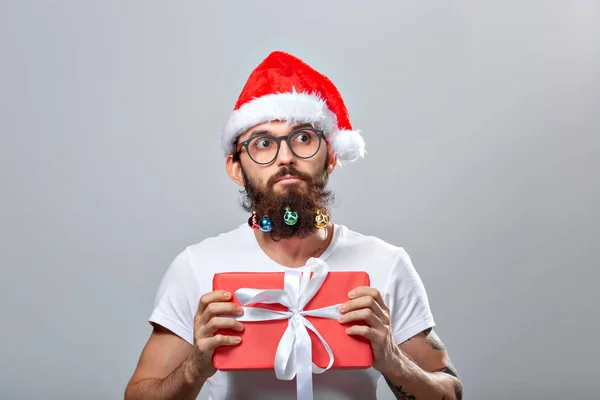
234	169
331	161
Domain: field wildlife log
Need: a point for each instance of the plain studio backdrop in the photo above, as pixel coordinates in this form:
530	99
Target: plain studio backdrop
481	121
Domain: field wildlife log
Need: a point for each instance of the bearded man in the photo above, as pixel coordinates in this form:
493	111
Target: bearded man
288	131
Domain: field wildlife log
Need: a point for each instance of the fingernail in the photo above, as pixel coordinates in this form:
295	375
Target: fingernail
240	310
341	308
237	339
341	319
226	294
348	330
351	294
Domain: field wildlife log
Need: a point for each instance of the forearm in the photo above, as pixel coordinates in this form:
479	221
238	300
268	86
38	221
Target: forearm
185	382
408	381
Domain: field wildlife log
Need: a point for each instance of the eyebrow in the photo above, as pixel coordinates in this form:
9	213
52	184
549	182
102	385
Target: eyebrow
267	132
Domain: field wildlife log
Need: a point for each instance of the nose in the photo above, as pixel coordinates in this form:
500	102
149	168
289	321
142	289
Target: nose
285	156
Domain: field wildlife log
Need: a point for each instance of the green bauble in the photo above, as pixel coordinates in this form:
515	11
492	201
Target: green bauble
290	217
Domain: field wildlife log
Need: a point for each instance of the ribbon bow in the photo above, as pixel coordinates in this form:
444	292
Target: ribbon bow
294	352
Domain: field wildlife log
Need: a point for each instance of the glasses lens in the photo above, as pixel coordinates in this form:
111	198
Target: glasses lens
262	149
305	143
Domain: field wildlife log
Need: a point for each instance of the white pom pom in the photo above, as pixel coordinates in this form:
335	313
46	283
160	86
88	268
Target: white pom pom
348	145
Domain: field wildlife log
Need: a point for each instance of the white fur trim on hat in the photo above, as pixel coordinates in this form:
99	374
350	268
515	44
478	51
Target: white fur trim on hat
293	108
348	145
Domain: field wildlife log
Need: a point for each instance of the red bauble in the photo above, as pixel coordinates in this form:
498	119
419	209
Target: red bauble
253	221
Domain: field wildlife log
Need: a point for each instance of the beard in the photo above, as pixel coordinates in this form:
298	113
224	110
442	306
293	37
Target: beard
304	198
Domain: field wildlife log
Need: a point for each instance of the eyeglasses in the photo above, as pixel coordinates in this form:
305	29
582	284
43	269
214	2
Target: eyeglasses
264	148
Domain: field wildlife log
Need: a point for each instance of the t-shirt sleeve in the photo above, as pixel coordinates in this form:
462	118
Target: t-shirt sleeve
407	299
177	298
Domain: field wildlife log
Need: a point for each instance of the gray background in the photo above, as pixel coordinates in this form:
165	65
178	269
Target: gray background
481	121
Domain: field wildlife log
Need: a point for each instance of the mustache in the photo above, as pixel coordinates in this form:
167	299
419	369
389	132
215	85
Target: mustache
291	171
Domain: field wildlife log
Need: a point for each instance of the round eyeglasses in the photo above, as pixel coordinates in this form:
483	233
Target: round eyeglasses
264	148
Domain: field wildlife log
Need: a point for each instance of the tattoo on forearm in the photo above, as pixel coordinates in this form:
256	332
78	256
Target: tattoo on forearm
448	371
458	389
434	341
399	392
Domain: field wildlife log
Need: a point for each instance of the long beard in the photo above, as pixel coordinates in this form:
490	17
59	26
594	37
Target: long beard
304	198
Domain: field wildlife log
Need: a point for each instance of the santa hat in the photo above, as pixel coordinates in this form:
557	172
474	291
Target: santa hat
284	88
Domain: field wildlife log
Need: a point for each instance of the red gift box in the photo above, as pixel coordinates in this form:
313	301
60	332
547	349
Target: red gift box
261	338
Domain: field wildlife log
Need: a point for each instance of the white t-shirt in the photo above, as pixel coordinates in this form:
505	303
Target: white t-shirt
390	270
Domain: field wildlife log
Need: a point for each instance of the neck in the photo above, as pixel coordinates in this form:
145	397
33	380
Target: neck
294	252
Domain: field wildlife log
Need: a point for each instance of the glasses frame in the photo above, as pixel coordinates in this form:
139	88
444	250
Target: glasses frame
320	133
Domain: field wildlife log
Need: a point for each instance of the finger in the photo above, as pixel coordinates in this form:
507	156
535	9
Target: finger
368	291
211	343
365	331
210	297
364	314
217	323
365	302
215	309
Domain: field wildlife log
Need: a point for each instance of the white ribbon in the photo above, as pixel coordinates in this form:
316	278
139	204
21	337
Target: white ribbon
294	352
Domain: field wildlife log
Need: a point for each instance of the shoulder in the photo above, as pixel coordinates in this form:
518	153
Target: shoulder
187	261
222	243
371	245
387	261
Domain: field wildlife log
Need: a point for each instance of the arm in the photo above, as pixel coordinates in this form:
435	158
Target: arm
165	370
170	367
423	370
419	368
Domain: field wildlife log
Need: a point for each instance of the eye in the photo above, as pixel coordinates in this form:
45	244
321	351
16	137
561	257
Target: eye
303	137
262	143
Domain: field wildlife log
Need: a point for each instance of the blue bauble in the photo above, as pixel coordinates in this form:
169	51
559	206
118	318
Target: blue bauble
265	224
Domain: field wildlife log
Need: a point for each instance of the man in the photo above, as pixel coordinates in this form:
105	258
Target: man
287	133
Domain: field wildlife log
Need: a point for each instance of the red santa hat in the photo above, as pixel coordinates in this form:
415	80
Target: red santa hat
284	88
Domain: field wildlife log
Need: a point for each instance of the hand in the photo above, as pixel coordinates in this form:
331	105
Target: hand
206	324
367	305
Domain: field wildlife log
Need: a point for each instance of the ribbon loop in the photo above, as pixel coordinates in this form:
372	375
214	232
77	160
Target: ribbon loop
293	357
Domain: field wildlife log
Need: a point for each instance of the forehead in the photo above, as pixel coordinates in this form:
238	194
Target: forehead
275	128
